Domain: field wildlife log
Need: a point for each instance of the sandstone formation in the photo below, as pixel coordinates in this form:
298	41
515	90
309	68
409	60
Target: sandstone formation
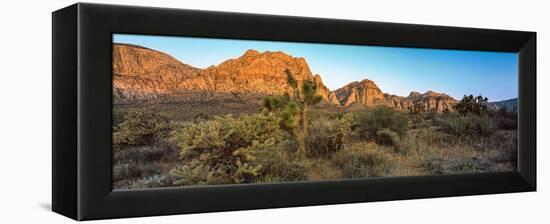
322	90
364	92
430	101
399	102
437	102
145	75
141	73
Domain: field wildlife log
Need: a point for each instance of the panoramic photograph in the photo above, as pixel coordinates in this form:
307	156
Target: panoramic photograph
205	111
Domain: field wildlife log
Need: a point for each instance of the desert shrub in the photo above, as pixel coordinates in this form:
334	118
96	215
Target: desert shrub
118	116
386	137
454	124
148	153
505	145
288	144
327	136
223	150
467	125
140	127
201	116
409	143
280	166
467	165
124	171
484	125
430	115
432	137
154	181
372	121
507	120
404	144
358	161
506	123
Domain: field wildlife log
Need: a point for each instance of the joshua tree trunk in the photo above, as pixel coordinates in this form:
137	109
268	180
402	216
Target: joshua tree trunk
304	145
301	144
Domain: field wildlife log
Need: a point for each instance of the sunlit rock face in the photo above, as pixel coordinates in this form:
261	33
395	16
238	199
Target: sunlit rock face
142	74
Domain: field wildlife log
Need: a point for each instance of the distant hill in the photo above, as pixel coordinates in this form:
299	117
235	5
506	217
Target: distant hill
509	105
146	75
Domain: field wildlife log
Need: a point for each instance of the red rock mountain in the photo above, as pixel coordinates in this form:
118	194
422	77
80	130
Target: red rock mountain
364	92
142	74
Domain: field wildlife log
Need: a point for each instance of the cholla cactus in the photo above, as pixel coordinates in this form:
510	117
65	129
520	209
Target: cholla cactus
223	150
140	127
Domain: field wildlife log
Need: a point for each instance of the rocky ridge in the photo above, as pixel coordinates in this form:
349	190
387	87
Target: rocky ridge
145	75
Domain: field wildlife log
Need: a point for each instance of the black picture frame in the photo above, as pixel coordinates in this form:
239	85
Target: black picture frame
82	96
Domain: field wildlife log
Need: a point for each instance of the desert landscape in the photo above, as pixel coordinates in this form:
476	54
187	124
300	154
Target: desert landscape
266	117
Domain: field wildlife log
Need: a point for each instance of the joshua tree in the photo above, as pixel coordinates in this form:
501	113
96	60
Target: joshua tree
470	104
294	110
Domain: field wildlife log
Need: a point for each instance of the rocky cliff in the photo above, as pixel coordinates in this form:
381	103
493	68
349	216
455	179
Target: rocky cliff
429	101
367	93
364	92
142	74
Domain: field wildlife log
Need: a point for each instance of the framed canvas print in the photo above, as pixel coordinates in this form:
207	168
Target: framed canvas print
168	111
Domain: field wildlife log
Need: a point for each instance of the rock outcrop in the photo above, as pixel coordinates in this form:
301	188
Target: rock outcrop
364	92
437	102
367	93
322	90
142	74
399	102
429	101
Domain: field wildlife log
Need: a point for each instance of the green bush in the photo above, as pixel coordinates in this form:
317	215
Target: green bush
279	165
386	137
404	144
371	122
485	125
327	136
458	125
140	127
223	150
359	161
468	125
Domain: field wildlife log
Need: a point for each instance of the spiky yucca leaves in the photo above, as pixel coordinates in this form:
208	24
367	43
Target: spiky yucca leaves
468	125
274	103
222	151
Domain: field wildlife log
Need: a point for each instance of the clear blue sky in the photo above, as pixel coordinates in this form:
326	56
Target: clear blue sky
395	70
